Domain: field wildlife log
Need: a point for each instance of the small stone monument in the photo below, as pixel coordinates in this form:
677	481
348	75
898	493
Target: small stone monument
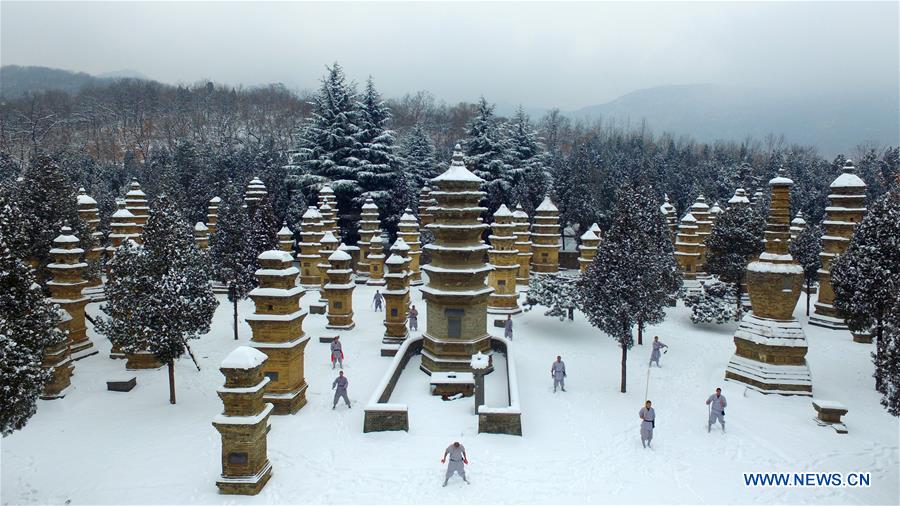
798	225
369	226
67	270
479	363
285	239
59	361
327	246
588	248
425	201
396	298
523	246
310	235
136	202
545	238
201	235
376	261
244	423
339	291
212	214
409	232
90	214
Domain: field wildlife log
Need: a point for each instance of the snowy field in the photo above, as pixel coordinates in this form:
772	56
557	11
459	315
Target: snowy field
100	447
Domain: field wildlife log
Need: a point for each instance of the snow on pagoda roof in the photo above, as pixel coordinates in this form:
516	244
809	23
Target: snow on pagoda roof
324	206
200	227
328	237
370	204
395	260
689	218
407	216
780	181
594	228
339	255
274	254
519	212
547	205
503	211
848	179
326	189
84	199
215	200
457	170
700	203
715	209
256	181
425	189
122	213
135	193
589	236
400	245
285	230
311	213
66	236
798	220
244	357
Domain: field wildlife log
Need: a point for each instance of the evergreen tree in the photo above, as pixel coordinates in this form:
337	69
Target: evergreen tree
28	325
263	227
887	361
570	178
557	292
485	150
630	280
419	165
528	174
232	251
328	146
866	277
736	238
713	304
805	249
159	294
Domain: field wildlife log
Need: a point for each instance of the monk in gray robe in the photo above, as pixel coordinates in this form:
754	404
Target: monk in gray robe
716	403
337	352
558	372
340	389
657	345
648	422
458	460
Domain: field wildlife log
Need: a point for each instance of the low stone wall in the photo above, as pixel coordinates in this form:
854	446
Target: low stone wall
380	414
503	420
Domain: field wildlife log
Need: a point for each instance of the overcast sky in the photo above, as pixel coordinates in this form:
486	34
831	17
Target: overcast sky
565	55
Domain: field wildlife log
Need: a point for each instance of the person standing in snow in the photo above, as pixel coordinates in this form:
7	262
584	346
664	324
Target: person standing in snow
458	460
337	353
507	328
378	300
413	318
716	403
648	423
558	372
340	389
654	355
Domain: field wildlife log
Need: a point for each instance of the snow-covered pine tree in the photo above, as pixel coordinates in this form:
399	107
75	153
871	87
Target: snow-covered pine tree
263	227
159	294
665	267
713	303
628	278
570	179
557	292
734	240
805	249
485	149
28	325
528	173
296	208
327	147
887	362
231	251
379	165
417	151
866	277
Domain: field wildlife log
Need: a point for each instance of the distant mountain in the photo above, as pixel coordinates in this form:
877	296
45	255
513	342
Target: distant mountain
833	123
16	80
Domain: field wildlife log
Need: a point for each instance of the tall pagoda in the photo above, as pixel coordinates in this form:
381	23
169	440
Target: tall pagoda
523	246
67	270
285	238
255	193
588	248
408	230
847	207
396	298
201	235
770	345
327	246
671	217
700	212
212	214
136	203
90	214
687	247
376	261
339	291
310	235
456	294
545	238
425	201
369	226
504	258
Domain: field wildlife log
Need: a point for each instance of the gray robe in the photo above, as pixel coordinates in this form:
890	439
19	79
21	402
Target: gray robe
337	353
648	416
507	329
414	319
340	389
716	409
456	464
654	355
379	299
558	371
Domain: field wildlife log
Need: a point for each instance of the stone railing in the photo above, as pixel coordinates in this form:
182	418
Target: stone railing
507	419
381	415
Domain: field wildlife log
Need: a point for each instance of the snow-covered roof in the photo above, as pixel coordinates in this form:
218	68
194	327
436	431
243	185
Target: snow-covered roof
326	189
325	206
848	180
122	213
311	213
408	217
83	199
201	227
700	203
595	228
425	188
395	260
244	357
457	170
798	220
780	181
519	212
215	200
136	193
547	205
589	236
65	236
503	211
400	245
689	218
715	209
285	231
339	255
370	204
328	238
274	254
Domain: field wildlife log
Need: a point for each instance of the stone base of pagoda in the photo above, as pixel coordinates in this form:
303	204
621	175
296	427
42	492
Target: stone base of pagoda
451	355
82	349
390	345
826	316
862	337
245	485
342	326
142	360
770	356
416	282
506	308
60	379
287	403
96	293
375	282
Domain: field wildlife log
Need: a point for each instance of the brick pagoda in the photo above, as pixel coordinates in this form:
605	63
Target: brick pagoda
90	214
408	230
369	226
310	235
396	298
523	246
545	238
339	291
504	257
67	271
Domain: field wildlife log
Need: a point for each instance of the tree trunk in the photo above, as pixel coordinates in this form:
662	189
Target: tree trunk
235	320
571	313
624	358
171	382
640	325
737	296
808	289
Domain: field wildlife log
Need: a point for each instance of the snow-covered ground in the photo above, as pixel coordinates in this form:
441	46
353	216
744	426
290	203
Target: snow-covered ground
582	446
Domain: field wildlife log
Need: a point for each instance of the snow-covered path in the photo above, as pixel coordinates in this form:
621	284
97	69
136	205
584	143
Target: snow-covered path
582	446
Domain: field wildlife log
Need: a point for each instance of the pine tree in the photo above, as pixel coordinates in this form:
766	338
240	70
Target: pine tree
231	250
887	361
630	280
713	304
159	294
528	174
28	325
866	277
485	150
418	157
736	238
558	293
328	145
805	249
570	178
263	227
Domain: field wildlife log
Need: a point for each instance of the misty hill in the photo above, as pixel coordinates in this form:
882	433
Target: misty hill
16	80
834	124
